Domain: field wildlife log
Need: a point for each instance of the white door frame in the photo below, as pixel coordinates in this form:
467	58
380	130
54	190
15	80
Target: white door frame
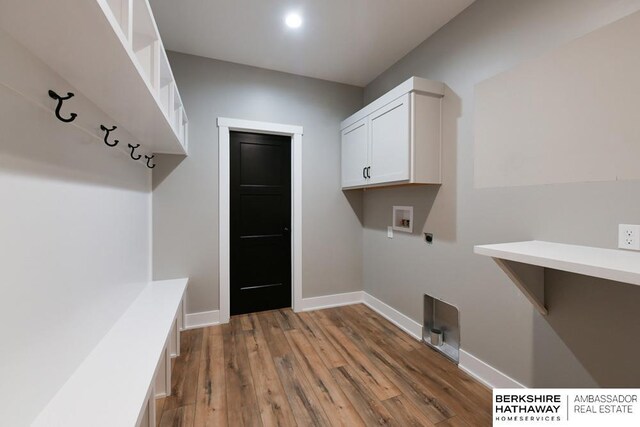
225	126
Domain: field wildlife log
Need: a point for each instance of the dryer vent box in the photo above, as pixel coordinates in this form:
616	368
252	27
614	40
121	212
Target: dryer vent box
444	318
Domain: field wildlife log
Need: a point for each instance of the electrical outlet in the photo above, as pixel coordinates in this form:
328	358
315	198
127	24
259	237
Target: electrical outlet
629	236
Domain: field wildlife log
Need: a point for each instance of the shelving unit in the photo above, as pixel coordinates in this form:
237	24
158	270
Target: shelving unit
524	263
145	44
111	52
121	10
184	130
177	111
166	86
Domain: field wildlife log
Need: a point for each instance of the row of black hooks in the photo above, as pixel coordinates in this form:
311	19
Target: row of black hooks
107	131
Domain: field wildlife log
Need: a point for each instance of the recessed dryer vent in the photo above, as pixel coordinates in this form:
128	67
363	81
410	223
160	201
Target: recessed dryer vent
441	327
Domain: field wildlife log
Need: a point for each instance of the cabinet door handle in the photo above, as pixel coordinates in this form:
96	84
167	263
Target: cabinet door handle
364	173
369	172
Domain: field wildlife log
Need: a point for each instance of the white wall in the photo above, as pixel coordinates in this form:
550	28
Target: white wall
74	234
498	324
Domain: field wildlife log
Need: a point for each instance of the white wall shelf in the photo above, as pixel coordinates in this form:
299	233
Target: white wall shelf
111	52
524	263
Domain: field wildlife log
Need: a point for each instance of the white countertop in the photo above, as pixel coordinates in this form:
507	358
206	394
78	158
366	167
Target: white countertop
612	264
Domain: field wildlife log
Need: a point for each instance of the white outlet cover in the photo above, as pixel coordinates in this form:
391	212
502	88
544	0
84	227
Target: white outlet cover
629	236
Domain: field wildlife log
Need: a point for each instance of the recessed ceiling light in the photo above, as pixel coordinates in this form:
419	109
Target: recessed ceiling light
293	20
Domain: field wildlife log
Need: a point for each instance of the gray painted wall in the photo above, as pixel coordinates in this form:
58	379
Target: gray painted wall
498	324
185	196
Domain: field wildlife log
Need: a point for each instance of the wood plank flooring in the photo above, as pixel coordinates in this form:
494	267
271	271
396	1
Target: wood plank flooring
344	366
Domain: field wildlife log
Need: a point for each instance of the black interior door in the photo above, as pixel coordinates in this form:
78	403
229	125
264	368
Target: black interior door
260	222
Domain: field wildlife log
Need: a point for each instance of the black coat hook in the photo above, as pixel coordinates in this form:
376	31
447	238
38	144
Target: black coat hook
60	100
133	148
106	135
149	158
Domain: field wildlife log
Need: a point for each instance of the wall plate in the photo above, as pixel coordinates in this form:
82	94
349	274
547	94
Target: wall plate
629	236
402	218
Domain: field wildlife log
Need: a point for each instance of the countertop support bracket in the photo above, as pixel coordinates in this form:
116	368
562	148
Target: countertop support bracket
529	279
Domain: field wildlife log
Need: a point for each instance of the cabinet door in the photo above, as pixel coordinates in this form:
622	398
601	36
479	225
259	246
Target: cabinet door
389	150
354	154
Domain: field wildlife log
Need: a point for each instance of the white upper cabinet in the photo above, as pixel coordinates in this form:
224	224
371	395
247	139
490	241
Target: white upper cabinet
395	140
354	154
389	149
112	53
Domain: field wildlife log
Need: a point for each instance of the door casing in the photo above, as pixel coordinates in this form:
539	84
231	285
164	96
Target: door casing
225	126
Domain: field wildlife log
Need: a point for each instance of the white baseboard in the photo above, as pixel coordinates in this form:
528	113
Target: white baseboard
202	319
485	373
405	323
328	301
478	369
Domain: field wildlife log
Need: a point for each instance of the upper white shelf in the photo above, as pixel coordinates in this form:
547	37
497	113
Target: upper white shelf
611	264
110	51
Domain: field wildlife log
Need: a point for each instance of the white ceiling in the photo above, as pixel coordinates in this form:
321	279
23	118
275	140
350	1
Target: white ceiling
347	41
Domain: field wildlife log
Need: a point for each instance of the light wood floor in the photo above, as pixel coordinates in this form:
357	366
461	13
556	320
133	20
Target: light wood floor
341	366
